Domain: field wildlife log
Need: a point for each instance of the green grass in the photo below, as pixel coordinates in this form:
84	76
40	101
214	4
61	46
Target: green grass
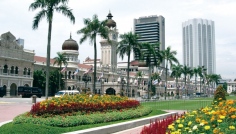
190	104
24	128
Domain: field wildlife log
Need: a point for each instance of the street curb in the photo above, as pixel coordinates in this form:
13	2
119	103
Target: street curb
108	129
5	122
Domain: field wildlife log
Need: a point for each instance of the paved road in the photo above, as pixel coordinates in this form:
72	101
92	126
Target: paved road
11	107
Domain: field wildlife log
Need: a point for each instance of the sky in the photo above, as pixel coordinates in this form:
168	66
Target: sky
18	19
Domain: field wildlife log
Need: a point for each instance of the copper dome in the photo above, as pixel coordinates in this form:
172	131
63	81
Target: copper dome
70	44
110	22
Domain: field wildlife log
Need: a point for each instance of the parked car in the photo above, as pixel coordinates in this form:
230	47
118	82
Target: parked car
145	97
29	91
155	97
66	92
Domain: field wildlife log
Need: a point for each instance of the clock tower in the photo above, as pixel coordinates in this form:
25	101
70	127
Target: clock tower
108	49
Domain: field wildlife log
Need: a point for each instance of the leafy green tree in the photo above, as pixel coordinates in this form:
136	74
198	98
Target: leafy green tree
92	29
54	81
176	73
129	43
60	60
39	79
169	56
47	10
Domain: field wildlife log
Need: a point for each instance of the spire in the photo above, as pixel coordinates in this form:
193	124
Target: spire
70	35
109	16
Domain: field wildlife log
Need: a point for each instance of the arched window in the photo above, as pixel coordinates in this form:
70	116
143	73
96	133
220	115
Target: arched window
28	71
73	76
69	75
5	69
25	71
12	69
16	70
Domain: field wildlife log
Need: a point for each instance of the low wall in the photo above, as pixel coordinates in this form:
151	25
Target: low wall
121	126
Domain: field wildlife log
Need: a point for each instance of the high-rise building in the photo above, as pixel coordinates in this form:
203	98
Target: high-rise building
199	44
151	29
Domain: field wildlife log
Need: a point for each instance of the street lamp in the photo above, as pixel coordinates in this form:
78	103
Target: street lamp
85	78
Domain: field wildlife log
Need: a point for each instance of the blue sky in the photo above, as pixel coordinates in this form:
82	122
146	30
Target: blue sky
17	19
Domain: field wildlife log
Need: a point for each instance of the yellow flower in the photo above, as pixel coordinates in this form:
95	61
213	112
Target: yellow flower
189	123
178	121
180	125
219	121
231	127
233	116
222	117
220	98
207	127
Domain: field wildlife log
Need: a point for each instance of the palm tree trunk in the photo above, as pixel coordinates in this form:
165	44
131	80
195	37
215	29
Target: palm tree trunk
95	65
185	85
60	78
149	79
48	57
128	74
195	82
166	79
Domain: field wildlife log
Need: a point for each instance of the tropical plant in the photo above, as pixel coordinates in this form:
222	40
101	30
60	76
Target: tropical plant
201	71
129	43
152	57
155	76
139	76
176	73
195	73
59	60
186	71
169	57
47	9
92	29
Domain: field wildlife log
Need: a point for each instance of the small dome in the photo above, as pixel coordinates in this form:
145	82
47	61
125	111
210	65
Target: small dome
70	44
110	22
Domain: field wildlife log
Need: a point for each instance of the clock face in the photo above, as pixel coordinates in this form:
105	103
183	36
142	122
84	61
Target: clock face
113	36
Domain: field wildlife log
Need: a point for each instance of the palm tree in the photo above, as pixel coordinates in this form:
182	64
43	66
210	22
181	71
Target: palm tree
48	7
176	73
186	71
195	73
156	76
215	78
152	57
59	60
92	29
201	71
139	76
129	43
169	56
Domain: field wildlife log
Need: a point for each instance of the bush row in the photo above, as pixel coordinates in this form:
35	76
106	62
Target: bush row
70	121
82	103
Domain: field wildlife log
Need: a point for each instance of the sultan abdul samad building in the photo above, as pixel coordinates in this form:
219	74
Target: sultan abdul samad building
18	64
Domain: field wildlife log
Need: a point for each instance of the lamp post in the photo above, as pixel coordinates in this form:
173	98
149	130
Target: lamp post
85	78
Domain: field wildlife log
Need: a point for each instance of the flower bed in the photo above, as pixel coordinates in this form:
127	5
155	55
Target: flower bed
83	119
219	118
83	103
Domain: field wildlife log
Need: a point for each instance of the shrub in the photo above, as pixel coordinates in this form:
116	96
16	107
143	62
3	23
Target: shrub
219	94
83	103
79	119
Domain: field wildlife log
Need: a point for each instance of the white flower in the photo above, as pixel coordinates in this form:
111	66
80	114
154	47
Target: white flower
201	124
194	127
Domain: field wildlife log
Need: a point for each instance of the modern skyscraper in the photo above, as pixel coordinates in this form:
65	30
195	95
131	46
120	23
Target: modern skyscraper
199	44
151	29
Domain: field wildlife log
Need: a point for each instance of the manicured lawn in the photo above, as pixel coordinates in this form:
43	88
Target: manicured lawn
24	128
182	104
